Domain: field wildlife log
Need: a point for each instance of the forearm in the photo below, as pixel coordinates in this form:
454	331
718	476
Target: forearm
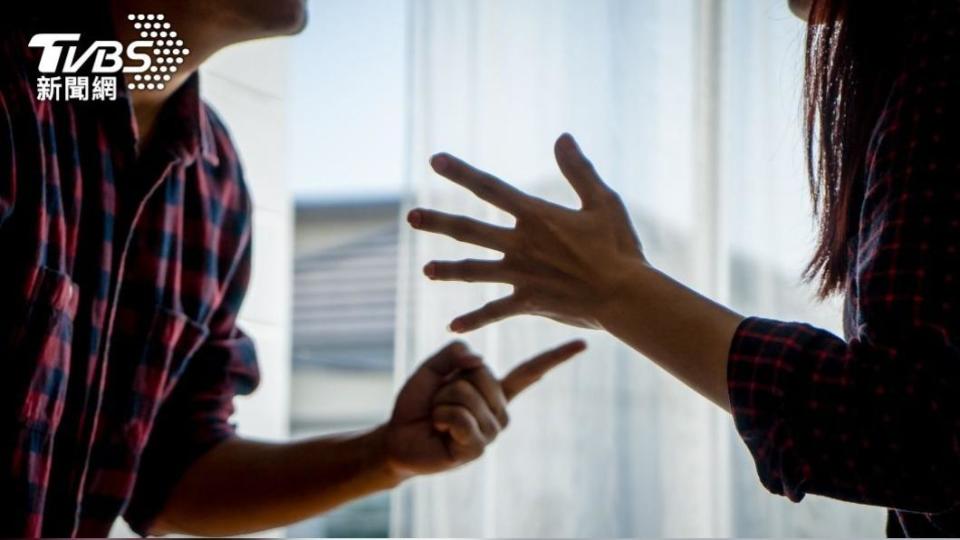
243	486
684	332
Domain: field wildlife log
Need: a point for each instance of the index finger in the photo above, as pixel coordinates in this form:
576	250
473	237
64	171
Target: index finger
531	371
484	185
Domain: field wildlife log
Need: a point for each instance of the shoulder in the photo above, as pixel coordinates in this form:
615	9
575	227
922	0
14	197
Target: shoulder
228	189
933	45
920	121
223	143
931	21
226	165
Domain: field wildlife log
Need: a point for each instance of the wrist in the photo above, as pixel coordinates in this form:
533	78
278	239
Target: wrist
627	276
383	463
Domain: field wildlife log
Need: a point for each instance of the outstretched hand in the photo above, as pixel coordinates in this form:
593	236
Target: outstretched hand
453	406
563	264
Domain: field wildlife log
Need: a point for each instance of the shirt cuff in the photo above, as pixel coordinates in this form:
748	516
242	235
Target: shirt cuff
761	376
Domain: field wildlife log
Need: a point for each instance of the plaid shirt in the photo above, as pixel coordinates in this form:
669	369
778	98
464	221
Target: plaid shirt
875	419
121	280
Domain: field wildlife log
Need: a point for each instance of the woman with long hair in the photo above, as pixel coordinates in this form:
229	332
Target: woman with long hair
872	418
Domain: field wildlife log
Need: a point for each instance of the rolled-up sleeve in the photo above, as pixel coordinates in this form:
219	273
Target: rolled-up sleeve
196	416
875	419
865	421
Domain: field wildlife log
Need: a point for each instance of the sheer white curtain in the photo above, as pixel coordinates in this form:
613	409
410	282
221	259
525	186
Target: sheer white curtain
689	109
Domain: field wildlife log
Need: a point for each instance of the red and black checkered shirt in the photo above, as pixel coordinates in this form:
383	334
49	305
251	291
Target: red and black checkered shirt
121	276
875	418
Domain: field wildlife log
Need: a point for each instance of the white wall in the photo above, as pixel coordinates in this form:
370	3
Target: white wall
349	90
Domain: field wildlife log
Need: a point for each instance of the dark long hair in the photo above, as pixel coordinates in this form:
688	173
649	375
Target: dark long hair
852	55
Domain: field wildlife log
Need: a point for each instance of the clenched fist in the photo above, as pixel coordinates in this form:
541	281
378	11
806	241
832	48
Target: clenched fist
453	406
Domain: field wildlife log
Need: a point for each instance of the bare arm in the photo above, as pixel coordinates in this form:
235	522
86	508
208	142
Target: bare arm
244	486
687	334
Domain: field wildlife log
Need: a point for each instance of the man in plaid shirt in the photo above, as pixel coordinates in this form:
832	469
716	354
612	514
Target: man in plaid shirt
125	233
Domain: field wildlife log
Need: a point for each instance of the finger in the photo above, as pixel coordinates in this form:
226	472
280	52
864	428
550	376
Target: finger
489	388
461	393
461	228
485	186
470	271
449	359
490	313
459	424
531	371
414	400
578	170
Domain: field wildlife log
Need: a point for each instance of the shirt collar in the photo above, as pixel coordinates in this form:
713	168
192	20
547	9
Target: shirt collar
184	129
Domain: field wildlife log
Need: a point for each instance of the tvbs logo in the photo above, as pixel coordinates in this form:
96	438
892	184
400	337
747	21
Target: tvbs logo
148	63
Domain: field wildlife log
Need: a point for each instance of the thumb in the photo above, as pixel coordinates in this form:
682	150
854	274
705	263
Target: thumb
579	171
531	371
